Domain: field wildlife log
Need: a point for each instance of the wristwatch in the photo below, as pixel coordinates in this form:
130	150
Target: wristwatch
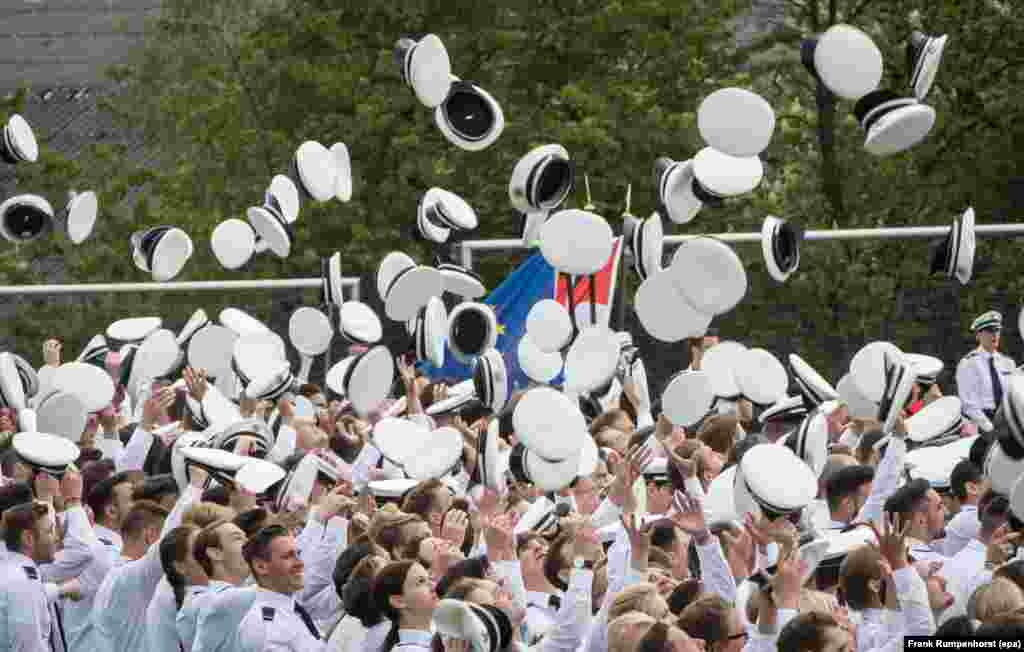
581	563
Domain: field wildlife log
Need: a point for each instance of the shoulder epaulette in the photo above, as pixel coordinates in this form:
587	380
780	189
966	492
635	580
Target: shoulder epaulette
106	542
268	614
32	573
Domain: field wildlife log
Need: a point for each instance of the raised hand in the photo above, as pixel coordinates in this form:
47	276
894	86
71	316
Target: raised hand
892	541
453	530
787	581
156	407
688	515
195	382
406	372
639	533
498	534
51	352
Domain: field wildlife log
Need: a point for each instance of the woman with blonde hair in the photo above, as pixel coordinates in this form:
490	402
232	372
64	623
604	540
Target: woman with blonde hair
998	597
643	597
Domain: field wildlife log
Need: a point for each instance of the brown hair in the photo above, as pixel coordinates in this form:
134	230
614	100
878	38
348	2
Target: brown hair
422	499
659	558
144	514
860	567
999	597
707	618
206	539
460	590
805	632
386	529
637	597
20	519
719	433
258	545
554	564
608	420
202	514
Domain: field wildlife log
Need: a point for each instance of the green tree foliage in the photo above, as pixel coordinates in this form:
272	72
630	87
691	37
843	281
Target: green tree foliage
225	91
819	175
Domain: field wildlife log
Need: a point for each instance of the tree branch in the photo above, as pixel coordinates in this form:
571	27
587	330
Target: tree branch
855	14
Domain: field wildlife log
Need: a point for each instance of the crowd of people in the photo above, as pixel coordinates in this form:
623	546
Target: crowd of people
290	525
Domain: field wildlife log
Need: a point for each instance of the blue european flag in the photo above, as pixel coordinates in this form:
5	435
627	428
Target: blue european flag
532	281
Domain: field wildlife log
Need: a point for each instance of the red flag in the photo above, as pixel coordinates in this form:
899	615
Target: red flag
605	282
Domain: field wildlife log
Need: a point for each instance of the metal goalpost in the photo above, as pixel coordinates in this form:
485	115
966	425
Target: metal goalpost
467	248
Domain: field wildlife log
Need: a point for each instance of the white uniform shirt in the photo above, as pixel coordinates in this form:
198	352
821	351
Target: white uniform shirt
161	614
921	551
117	624
961	529
77	615
219	617
348	636
274	624
959	572
974	384
25	623
196	598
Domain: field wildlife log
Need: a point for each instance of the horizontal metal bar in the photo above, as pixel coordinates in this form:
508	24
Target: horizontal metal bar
885	233
191	286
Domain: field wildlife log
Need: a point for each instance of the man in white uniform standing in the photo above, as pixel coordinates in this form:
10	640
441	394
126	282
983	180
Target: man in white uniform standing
982	374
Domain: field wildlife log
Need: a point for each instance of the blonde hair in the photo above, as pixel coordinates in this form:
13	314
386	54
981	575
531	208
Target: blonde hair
203	514
640	597
816	601
998	597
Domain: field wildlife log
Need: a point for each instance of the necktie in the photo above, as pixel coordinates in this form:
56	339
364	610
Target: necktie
306	618
997	387
57	643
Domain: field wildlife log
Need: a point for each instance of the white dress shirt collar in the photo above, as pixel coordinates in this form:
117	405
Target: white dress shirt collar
415	637
275	599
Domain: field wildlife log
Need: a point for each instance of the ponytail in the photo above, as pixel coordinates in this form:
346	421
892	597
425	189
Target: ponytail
392	638
174	549
387	583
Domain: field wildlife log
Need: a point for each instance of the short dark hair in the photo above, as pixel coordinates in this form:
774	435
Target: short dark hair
663	536
805	632
20	519
102	493
218	494
346	563
156	487
258	545
867	443
956	627
965	471
95	472
13	494
310	389
979	451
144	514
908	498
252	520
847	481
554	563
475	567
7	461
